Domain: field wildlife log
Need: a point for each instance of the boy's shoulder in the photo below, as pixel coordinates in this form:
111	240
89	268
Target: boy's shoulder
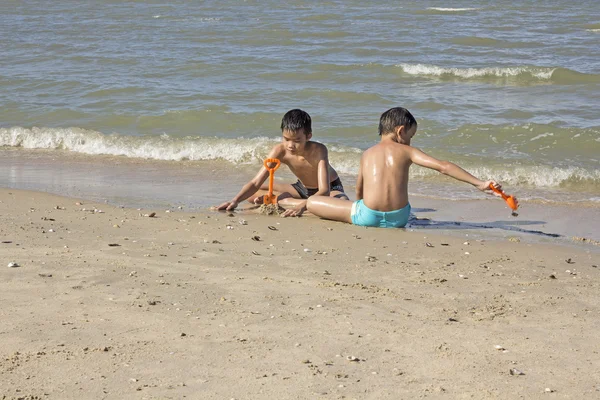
278	150
394	145
398	149
312	145
315	150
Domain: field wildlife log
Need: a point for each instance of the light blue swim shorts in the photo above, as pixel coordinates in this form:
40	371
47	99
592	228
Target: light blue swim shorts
364	216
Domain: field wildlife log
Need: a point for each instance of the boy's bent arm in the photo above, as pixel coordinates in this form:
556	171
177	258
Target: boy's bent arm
323	178
448	168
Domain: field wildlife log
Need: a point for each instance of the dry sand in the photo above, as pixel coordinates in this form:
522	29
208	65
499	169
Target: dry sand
119	305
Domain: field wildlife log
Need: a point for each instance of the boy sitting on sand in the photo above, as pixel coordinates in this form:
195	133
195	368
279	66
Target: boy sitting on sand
382	184
306	159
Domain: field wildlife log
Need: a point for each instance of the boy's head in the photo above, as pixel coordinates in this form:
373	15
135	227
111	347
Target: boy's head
398	121
296	120
296	128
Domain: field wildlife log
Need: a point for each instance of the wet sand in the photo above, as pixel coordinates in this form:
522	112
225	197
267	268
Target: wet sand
198	185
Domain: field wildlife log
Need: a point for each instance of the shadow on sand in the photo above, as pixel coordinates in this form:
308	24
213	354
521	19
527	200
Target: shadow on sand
427	223
512	225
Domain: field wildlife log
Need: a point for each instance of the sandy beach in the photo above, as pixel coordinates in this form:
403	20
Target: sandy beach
122	123
111	303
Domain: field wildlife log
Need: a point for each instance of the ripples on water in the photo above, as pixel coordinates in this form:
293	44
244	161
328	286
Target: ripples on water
181	81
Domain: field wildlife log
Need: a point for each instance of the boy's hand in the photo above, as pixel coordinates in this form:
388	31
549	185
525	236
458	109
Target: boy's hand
228	205
294	212
485	187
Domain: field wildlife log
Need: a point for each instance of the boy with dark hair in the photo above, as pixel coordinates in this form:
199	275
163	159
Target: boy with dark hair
382	183
306	159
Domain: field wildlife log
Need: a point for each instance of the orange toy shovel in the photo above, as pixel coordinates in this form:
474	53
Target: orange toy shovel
510	200
271	164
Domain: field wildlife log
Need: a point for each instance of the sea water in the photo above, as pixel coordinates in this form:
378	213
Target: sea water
151	102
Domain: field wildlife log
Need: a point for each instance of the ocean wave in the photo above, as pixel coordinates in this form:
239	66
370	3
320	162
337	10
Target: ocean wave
162	147
239	151
523	73
533	176
544	176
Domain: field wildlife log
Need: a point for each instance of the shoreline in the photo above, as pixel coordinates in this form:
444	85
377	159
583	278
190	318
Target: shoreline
117	304
140	183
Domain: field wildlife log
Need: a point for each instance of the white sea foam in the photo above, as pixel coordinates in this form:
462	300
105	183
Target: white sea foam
157	148
538	176
345	159
541	135
533	176
451	9
593	30
500	72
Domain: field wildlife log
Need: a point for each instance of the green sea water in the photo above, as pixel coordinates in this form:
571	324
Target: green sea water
508	90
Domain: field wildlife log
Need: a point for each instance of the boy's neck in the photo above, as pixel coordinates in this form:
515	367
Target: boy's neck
392	138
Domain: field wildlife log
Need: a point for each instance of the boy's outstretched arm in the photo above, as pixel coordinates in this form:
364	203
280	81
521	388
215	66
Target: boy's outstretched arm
254	185
247	190
450	169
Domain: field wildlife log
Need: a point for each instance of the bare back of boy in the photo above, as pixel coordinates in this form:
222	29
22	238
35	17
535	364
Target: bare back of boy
384	176
382	183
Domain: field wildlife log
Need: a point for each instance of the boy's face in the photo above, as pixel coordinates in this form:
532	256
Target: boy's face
294	141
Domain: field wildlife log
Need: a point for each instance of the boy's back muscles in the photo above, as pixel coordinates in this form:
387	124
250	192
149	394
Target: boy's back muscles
385	169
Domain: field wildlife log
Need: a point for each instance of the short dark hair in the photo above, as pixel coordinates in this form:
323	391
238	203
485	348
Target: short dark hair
395	117
296	119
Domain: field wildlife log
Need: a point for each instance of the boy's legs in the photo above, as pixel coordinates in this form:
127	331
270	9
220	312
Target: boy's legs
288	200
330	208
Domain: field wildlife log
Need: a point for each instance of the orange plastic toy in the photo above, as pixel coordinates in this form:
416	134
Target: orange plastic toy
270	198
510	200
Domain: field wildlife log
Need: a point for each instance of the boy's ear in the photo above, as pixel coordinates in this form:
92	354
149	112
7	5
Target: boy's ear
399	130
308	136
